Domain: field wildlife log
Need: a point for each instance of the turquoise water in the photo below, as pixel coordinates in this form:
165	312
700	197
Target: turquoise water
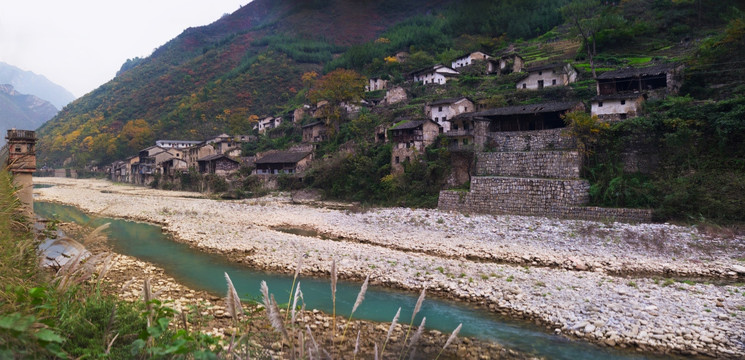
205	271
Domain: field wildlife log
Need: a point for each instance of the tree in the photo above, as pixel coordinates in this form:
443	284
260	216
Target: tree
337	87
588	18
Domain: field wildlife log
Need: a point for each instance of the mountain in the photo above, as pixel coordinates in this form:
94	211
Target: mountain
250	64
29	83
210	79
22	111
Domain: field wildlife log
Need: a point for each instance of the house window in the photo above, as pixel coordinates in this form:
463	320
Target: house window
540	73
623	116
437	119
407	159
455	126
623	102
408	145
524	85
465	141
465	109
600	104
444	118
553	82
439	108
397	160
18	149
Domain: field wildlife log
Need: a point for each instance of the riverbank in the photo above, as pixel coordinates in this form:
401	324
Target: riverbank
559	273
208	314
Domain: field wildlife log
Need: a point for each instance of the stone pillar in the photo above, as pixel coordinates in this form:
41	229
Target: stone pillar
22	163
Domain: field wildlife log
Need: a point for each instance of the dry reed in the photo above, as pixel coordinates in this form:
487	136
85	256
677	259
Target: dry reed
390	330
450	340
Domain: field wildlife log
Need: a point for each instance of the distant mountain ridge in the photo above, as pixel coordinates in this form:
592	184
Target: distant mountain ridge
27	82
209	79
22	111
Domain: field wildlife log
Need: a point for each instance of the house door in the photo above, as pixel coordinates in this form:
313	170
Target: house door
540	84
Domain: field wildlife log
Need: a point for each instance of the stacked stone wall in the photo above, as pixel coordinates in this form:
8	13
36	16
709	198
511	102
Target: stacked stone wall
544	164
525	195
452	200
553	139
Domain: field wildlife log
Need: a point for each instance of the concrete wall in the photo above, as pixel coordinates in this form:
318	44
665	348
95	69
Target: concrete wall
545	164
530	140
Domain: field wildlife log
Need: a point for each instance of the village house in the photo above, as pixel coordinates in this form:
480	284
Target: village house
441	110
173	165
438	74
617	107
314	132
376	83
409	138
150	160
268	123
468	59
656	80
121	171
218	164
194	153
544	76
177	144
505	64
283	162
461	132
493	127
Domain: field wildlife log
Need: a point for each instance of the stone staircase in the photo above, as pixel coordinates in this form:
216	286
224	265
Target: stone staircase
533	173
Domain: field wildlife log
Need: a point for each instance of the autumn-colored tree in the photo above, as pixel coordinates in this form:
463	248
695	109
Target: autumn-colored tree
337	87
136	134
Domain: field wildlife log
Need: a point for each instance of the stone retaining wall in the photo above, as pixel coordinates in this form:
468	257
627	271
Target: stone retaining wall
520	195
530	140
482	203
546	164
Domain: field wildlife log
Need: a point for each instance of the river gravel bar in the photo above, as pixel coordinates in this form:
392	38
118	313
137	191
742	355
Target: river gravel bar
655	287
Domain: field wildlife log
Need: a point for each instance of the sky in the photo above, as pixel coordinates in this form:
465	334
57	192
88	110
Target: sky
81	44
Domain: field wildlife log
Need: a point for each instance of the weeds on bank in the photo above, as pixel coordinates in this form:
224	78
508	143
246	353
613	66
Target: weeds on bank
303	343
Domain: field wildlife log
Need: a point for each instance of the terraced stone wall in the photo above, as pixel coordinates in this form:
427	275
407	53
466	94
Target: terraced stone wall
545	164
539	140
453	200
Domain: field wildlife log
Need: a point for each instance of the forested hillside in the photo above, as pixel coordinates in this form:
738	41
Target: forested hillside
270	57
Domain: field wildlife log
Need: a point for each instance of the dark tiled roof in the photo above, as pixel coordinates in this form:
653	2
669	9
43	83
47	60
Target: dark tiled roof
545	67
312	124
618	96
634	72
448	101
215	157
410	124
283	157
528	109
429	69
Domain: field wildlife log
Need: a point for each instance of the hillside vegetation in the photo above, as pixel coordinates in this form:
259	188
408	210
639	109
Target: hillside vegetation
268	58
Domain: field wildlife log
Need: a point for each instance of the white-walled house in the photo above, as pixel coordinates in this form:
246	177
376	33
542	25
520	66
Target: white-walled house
268	123
374	84
544	76
468	59
438	74
617	107
441	110
177	144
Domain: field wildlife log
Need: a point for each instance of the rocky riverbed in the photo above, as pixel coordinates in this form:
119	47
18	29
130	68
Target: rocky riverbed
208	314
610	283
